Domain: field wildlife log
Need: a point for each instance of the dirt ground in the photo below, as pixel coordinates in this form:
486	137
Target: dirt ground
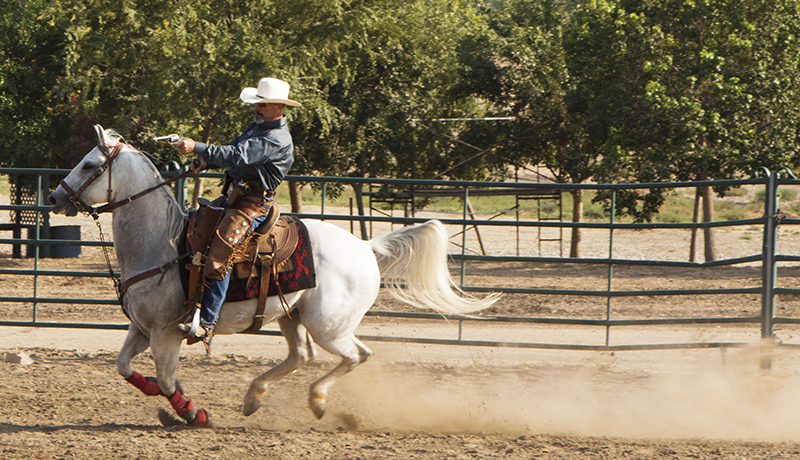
431	401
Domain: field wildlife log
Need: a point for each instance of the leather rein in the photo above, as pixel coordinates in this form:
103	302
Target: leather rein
75	198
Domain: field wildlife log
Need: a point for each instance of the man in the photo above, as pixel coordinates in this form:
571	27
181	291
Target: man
257	161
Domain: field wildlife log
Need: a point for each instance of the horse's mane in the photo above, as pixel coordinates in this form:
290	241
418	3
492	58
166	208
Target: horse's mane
175	215
115	135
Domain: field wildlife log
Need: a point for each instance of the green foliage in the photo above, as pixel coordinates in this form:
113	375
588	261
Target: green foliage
518	67
676	209
787	194
739	191
792	207
592	209
703	88
383	75
725	210
613	91
30	65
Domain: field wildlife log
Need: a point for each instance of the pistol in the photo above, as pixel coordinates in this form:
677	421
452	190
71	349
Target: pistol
171	138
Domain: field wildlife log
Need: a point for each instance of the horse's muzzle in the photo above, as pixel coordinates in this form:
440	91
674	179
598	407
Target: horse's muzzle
60	204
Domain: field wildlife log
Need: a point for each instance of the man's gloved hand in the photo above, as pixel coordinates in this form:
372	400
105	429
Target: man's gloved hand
198	164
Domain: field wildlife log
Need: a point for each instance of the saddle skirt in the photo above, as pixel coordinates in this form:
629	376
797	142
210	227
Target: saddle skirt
285	251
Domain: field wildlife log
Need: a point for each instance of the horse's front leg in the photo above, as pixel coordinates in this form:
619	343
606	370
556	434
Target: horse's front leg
136	343
166	349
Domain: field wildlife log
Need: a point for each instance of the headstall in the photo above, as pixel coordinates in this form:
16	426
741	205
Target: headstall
75	196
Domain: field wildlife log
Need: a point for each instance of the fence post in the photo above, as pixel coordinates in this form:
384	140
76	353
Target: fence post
37	248
610	265
464	236
768	268
179	188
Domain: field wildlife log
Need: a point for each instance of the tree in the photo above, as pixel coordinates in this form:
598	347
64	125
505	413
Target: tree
523	67
143	68
383	74
29	68
640	91
708	91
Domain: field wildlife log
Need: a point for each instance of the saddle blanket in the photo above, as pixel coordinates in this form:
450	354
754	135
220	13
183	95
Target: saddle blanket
294	274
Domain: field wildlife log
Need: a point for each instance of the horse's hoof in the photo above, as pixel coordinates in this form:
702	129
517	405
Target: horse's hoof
250	407
318	405
252	401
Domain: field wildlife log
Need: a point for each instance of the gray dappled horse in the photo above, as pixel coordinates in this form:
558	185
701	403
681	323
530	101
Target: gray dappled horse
147	231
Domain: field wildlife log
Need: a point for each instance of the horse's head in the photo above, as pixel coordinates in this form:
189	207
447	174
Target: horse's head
89	183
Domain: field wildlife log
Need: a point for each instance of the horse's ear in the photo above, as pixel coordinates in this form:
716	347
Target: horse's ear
101	138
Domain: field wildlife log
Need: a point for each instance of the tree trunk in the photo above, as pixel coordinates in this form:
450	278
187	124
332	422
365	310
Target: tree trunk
358	188
198	191
695	219
294	196
708	216
708	233
577	215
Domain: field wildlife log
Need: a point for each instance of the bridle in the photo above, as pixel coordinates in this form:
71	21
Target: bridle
111	155
75	196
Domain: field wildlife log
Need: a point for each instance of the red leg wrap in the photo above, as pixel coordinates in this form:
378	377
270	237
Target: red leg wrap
148	385
183	407
180	404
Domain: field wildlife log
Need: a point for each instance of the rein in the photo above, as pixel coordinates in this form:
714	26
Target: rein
74	197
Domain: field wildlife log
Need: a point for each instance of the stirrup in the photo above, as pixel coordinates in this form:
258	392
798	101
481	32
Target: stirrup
195	329
202	333
191	329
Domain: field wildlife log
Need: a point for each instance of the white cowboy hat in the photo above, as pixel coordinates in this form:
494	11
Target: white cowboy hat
270	91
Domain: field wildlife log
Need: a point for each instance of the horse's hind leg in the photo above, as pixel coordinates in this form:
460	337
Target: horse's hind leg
136	342
353	353
301	351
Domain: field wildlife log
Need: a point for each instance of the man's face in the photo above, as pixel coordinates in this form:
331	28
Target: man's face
264	112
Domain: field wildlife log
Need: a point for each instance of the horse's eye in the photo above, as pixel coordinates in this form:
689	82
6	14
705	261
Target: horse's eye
87	167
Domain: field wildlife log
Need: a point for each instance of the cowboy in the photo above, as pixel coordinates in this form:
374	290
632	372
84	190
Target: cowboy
257	161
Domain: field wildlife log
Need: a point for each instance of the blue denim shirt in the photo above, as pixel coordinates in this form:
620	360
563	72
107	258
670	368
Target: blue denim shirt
263	152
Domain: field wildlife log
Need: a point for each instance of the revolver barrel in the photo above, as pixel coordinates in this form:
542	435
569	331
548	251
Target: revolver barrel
171	138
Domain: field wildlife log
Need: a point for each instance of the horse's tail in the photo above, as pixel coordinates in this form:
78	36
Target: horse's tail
413	265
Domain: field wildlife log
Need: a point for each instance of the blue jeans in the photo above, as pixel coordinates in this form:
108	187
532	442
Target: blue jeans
214	296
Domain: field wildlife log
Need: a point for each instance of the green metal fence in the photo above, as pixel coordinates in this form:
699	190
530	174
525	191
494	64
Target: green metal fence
766	289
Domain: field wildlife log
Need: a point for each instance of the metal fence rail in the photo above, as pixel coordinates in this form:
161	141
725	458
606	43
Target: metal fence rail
767	259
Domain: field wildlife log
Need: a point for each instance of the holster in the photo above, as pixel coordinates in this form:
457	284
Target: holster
208	217
238	192
232	232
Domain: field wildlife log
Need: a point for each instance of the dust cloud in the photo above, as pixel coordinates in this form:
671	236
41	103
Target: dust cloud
696	394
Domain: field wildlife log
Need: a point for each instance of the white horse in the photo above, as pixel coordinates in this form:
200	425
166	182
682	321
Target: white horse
147	225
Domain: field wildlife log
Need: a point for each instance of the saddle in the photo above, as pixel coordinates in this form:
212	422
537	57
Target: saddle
266	250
